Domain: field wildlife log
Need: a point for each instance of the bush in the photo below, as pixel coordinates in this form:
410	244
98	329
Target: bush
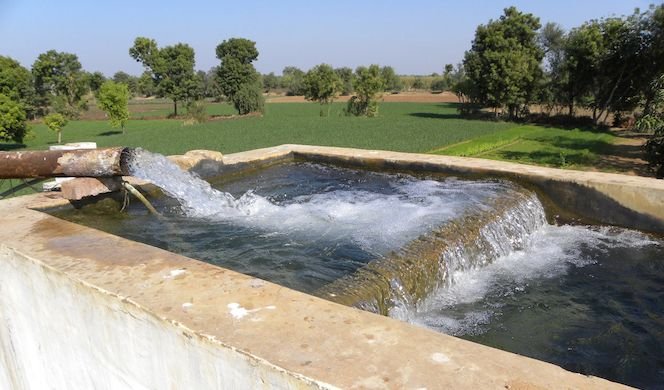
12	120
196	111
249	99
360	107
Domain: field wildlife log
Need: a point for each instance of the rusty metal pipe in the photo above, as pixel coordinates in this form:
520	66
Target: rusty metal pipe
104	162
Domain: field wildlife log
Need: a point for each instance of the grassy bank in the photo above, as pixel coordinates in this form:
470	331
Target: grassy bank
574	148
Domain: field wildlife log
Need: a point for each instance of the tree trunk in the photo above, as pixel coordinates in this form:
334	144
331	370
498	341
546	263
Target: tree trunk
59	137
570	109
594	115
175	108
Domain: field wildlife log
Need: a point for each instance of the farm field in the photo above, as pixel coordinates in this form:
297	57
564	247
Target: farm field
423	127
407	127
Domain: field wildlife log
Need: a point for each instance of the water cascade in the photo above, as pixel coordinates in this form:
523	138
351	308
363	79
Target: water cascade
472	240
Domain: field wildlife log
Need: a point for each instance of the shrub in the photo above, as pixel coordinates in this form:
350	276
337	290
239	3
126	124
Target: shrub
12	120
196	111
249	99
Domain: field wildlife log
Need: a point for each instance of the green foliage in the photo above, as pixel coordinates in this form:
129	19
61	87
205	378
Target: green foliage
196	111
249	99
130	81
113	98
12	120
292	80
439	85
145	85
392	81
243	50
56	122
368	84
346	76
418	83
94	81
16	84
653	122
172	69
59	83
322	84
504	62
270	82
236	76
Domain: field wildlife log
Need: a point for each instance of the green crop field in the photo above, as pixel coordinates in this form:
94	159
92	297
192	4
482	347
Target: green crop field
408	127
563	148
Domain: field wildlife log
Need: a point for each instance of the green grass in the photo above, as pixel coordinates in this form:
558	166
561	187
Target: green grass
408	127
537	145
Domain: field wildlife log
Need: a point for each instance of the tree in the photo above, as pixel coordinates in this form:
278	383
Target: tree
322	84
392	81
12	120
113	98
171	67
368	85
236	76
16	84
145	85
346	76
270	82
292	80
653	122
504	62
130	81
59	83
55	122
418	83
95	80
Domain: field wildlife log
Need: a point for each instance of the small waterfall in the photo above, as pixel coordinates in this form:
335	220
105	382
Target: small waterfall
405	278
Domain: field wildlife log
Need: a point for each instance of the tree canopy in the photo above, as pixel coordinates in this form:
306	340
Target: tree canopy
16	84
237	78
56	122
171	67
13	126
368	84
113	98
322	84
59	83
504	61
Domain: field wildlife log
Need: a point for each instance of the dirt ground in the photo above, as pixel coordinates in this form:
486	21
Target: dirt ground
412	97
626	155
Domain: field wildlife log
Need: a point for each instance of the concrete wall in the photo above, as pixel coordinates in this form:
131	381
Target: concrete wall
57	333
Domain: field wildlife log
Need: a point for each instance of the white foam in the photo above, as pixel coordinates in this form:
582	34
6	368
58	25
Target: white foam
550	252
376	222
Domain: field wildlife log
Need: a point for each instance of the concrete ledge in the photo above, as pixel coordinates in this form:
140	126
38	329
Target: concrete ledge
80	308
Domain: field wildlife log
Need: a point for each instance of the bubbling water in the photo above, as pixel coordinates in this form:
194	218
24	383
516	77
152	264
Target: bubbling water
376	221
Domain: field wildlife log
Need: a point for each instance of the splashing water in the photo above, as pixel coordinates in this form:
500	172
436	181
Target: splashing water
377	221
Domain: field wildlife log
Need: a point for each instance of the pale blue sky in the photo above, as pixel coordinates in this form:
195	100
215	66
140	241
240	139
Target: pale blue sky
415	37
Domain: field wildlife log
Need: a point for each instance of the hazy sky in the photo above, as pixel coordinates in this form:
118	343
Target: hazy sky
415	36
